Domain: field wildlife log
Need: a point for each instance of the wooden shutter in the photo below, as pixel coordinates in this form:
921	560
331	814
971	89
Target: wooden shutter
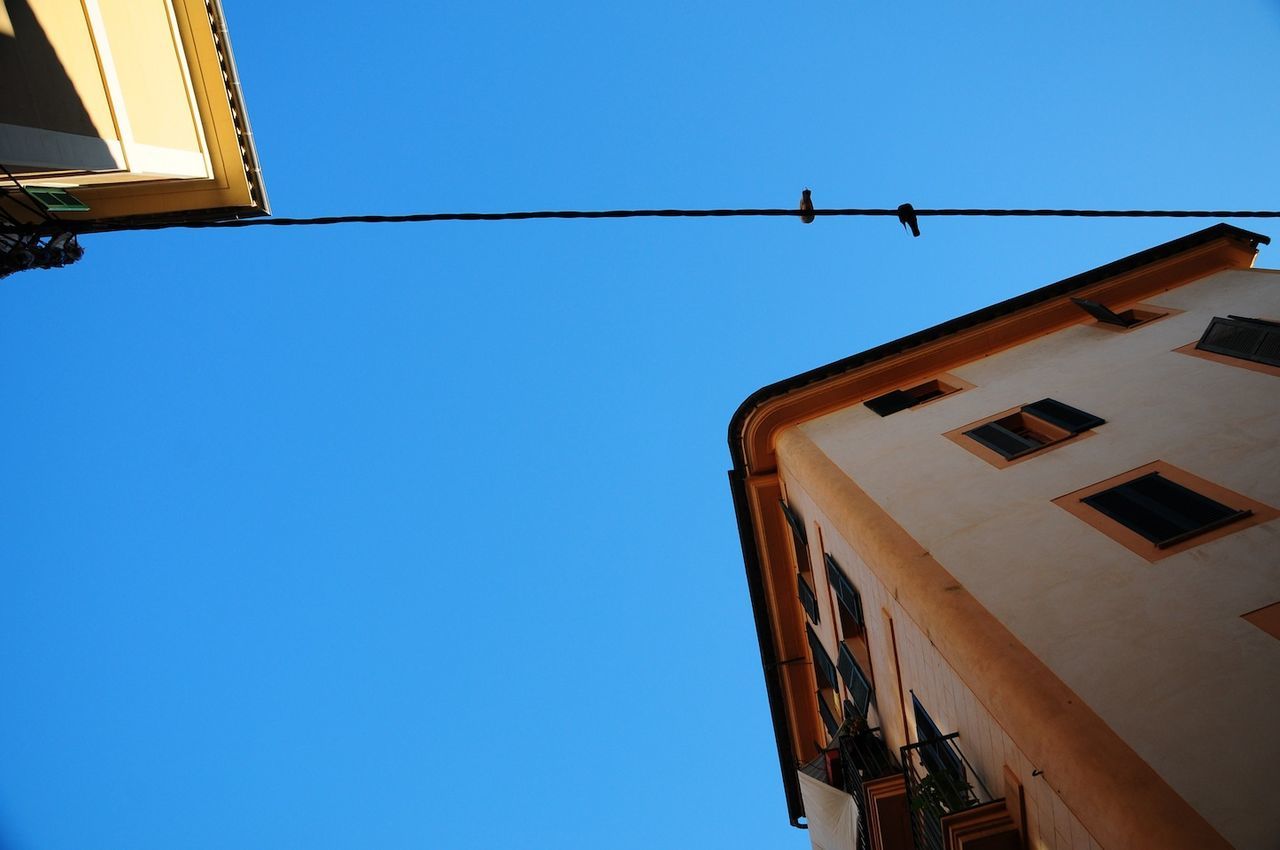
1002	440
1063	415
807	600
855	680
823	668
1161	510
1249	339
828	719
1103	313
846	594
891	402
797	524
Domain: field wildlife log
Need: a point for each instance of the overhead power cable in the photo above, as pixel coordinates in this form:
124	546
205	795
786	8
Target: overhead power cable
320	221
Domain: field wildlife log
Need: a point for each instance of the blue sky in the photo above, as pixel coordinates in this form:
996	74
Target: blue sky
419	536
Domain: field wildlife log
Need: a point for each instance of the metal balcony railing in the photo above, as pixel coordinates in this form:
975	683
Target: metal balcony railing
855	757
940	781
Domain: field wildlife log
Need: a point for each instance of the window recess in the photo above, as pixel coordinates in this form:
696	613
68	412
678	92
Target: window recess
824	670
1029	429
799	538
847	597
808	601
1256	340
829	719
855	680
1124	319
902	399
1158	510
1163	511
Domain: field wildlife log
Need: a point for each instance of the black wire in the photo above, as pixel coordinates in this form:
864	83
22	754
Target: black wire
109	227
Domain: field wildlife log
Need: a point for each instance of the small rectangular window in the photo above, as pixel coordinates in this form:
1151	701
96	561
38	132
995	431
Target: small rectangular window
807	600
1157	510
1103	313
847	595
1012	437
797	524
829	720
1257	340
823	668
892	402
1033	427
799	540
1161	510
1122	319
1063	415
939	757
855	680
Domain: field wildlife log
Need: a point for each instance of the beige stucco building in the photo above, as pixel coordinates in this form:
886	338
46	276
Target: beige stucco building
120	111
1016	577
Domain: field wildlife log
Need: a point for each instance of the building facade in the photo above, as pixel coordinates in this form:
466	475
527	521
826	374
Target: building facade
120	111
1016	578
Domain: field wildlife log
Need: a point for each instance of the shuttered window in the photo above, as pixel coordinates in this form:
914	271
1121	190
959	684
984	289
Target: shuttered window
1063	415
799	539
797	524
1249	339
823	668
846	594
1006	441
892	402
828	719
939	757
1161	510
855	680
807	600
1036	425
1105	314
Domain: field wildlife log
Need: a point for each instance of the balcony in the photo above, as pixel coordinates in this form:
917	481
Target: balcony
950	807
859	763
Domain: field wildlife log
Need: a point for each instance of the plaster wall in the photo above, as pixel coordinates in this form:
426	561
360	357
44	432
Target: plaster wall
902	648
1158	650
151	67
50	69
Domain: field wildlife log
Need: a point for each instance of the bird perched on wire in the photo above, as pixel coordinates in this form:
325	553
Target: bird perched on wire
806	207
907	215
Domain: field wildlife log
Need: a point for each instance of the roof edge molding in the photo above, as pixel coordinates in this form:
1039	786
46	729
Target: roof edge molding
755	425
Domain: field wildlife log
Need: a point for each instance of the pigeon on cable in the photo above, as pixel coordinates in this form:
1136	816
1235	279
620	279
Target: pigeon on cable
907	215
806	207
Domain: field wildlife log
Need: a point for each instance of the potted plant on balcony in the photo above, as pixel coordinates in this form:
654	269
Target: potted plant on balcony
941	793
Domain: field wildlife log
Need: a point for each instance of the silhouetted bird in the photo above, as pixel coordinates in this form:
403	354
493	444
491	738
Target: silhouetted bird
806	206
907	215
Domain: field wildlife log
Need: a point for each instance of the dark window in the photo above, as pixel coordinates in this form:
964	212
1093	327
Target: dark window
847	596
828	719
823	669
1009	437
938	757
1105	314
807	600
1035	426
1122	319
797	524
892	402
1161	510
1249	339
798	537
855	680
1063	415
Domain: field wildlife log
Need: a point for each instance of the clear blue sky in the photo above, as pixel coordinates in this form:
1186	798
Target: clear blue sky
419	536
